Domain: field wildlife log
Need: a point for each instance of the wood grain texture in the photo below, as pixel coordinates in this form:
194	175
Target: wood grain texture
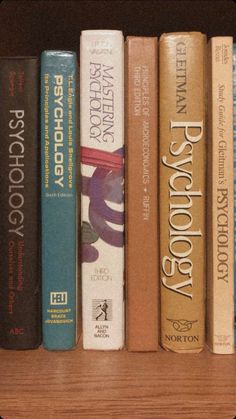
80	384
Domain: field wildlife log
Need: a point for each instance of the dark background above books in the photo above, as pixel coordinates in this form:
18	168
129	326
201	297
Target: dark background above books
20	35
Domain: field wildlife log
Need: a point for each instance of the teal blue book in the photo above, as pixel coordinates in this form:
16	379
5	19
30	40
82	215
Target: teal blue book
234	124
58	198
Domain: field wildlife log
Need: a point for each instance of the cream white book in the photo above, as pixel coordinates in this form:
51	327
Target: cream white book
102	202
220	223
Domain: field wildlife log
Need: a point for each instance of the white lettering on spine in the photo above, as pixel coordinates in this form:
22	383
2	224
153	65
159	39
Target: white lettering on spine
16	172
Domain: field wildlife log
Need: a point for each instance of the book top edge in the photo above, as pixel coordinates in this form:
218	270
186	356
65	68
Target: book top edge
140	38
217	38
93	32
181	34
59	53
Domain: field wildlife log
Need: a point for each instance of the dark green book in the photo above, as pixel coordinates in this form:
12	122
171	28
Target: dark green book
58	193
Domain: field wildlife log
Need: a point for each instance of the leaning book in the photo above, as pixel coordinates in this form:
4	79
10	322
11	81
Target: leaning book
220	224
58	199
102	203
20	302
182	191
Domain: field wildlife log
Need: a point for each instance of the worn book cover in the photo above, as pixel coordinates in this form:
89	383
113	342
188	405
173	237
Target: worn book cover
141	192
59	198
102	202
182	190
234	133
20	294
220	214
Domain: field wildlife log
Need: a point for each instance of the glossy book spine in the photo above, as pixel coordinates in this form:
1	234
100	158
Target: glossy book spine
141	192
58	194
20	295
220	284
102	202
182	191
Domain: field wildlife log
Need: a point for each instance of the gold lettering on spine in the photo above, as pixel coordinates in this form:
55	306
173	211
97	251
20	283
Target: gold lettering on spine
180	217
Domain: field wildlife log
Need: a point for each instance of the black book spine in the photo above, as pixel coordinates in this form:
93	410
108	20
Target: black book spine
20	294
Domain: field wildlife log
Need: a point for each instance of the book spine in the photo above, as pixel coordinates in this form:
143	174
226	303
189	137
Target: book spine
182	191
234	134
102	207
220	293
20	324
141	194
58	193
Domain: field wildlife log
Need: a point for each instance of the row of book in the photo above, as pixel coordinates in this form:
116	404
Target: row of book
160	259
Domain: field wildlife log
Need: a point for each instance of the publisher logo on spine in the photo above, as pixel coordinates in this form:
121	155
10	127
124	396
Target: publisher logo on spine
58	298
182	325
102	310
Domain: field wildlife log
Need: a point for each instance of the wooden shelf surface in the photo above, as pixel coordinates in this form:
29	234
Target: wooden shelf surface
77	384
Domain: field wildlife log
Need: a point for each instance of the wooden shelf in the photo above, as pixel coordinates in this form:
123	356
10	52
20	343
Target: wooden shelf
77	384
37	384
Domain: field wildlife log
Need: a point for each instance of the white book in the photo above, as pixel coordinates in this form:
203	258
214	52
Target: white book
102	202
220	245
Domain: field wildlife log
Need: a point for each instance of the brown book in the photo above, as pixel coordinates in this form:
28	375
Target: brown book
220	222
141	194
182	190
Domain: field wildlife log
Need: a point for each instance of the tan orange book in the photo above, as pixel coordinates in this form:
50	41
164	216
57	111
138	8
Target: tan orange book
220	222
182	190
141	194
